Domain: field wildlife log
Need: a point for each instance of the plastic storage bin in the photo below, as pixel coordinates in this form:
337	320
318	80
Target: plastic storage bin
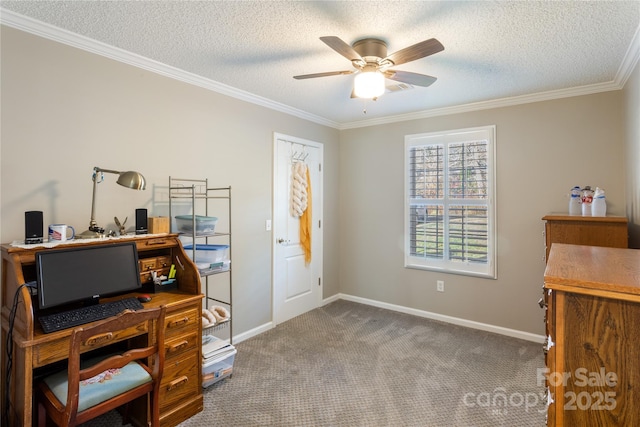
204	224
208	254
218	368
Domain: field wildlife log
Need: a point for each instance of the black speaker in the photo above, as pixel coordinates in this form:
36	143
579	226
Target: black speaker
141	221
33	227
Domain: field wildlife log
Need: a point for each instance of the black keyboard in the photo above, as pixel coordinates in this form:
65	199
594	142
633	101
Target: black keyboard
80	316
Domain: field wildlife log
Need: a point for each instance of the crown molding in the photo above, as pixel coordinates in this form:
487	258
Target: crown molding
47	31
51	32
486	105
630	60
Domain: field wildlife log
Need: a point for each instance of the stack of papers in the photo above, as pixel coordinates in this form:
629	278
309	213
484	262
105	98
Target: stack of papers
214	347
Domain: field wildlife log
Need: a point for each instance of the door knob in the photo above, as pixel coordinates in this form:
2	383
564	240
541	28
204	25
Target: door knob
280	240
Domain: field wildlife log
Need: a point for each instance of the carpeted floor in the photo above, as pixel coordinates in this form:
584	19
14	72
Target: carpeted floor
349	364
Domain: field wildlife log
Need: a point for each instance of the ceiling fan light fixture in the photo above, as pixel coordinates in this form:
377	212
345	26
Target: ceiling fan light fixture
368	84
372	64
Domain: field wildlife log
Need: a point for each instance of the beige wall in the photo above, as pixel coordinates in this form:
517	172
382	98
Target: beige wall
543	149
65	110
632	154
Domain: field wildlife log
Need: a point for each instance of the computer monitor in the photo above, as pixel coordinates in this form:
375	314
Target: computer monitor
86	273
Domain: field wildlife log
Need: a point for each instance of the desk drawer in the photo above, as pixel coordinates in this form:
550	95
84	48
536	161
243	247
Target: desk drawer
163	261
160	265
147	264
181	322
180	345
179	380
58	349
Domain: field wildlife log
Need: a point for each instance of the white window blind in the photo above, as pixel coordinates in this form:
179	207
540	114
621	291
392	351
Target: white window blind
450	201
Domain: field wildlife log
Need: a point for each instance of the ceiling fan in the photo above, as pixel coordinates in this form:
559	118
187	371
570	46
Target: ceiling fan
372	64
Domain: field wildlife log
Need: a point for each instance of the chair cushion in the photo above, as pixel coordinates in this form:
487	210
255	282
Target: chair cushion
102	387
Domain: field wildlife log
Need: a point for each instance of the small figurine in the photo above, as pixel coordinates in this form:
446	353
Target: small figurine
121	226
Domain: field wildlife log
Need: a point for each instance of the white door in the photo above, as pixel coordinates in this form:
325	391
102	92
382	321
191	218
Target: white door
297	286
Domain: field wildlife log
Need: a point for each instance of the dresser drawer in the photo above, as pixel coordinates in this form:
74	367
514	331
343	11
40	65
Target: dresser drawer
180	380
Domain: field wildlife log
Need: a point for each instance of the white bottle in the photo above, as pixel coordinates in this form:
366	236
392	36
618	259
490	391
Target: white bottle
574	201
599	207
587	200
599	204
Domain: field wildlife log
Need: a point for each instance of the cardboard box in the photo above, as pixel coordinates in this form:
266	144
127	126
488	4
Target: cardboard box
158	224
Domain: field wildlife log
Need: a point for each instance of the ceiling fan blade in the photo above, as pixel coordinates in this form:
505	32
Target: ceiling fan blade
329	73
411	78
342	48
416	51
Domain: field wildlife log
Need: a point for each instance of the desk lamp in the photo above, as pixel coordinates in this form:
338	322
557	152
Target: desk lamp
128	179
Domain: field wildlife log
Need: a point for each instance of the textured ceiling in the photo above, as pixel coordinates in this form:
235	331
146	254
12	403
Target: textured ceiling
494	50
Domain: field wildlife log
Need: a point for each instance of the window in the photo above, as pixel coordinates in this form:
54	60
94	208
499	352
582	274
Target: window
450	201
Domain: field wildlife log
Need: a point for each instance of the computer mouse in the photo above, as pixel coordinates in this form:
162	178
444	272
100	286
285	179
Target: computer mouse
144	298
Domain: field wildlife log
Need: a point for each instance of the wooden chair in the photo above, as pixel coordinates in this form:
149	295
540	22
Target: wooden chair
91	388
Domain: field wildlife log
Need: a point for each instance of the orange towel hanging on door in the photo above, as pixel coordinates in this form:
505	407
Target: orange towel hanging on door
305	224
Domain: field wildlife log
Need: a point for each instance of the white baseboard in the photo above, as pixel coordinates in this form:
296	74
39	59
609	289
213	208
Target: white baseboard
441	317
252	333
331	299
420	313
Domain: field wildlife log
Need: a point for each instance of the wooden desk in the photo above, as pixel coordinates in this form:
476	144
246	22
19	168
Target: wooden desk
33	350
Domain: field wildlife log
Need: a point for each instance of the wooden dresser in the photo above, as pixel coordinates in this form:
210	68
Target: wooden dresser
592	302
610	231
34	351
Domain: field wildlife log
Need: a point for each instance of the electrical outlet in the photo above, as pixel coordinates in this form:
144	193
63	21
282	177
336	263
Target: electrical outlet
440	285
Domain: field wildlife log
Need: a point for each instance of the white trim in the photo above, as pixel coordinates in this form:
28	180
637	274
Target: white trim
253	332
486	105
23	23
442	318
331	299
527	336
631	58
51	32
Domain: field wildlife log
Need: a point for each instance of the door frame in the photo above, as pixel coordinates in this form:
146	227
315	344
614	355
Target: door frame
318	194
